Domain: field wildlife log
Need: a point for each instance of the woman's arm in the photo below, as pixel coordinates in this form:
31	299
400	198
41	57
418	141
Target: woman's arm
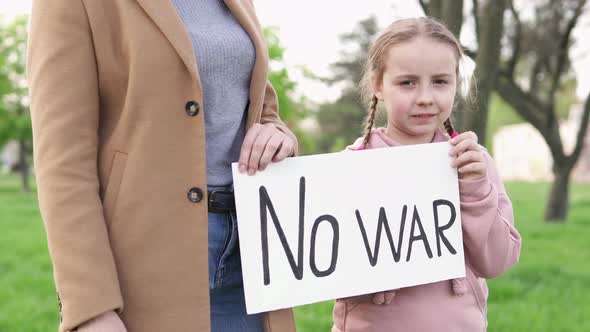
270	114
62	75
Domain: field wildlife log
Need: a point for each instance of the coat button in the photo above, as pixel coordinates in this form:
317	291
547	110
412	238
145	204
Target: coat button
195	195
192	108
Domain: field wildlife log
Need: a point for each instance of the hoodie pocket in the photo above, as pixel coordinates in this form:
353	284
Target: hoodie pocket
113	186
477	289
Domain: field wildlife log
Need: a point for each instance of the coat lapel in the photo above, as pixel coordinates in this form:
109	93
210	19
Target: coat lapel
244	13
168	21
166	18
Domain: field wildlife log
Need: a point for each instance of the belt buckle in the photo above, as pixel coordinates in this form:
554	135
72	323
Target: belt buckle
213	205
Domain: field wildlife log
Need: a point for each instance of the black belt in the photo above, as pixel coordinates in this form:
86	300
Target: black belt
221	200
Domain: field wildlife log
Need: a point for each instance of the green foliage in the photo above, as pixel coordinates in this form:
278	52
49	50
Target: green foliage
279	76
566	97
292	111
15	122
342	121
500	114
275	50
350	67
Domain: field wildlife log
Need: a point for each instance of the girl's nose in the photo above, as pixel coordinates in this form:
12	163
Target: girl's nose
425	100
425	97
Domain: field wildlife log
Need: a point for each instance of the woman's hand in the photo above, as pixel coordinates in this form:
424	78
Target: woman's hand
106	322
469	158
264	143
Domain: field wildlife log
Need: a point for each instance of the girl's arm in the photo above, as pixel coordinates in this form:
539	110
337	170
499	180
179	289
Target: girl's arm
62	76
492	243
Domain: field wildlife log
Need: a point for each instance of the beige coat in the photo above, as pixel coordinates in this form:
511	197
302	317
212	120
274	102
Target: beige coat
116	152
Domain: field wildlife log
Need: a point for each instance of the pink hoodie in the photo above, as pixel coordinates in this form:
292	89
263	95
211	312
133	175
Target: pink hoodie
491	244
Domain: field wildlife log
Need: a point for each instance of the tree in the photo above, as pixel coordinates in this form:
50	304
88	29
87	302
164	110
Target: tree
450	12
533	79
488	32
541	47
490	29
341	121
15	121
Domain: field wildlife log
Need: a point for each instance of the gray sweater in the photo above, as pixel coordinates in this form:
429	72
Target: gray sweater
225	56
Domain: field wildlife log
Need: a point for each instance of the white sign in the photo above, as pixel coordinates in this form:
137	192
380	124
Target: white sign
321	227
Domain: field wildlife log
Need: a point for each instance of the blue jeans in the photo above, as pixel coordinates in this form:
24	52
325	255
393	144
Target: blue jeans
228	308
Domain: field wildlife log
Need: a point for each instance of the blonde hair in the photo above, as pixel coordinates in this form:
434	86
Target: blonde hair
396	33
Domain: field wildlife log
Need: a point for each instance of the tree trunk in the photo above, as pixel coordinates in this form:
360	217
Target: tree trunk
486	65
557	206
23	166
435	8
458	116
450	12
452	15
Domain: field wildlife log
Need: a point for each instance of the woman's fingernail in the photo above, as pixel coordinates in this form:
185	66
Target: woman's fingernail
454	134
251	171
242	168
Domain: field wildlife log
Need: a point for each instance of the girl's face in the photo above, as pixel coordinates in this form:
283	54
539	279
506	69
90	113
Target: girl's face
418	88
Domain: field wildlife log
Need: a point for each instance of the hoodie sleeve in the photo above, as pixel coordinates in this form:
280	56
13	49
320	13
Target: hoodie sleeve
491	241
354	146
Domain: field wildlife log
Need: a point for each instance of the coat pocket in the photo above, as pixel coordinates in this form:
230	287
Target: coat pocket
114	184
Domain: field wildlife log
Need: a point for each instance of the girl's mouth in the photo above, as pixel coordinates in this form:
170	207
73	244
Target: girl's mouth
423	116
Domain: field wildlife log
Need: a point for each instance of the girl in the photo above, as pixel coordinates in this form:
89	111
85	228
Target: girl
413	69
139	107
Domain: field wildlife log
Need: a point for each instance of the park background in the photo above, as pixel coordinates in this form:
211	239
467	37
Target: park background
531	64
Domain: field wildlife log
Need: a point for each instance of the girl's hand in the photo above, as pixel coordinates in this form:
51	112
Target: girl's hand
384	297
469	158
107	322
264	143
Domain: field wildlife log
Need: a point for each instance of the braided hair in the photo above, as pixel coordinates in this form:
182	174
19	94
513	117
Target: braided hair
370	120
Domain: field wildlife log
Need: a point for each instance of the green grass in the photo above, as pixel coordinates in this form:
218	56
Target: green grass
27	295
548	290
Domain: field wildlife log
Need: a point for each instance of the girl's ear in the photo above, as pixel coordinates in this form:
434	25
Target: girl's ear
377	86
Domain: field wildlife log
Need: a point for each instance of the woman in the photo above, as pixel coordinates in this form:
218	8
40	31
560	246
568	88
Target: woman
133	143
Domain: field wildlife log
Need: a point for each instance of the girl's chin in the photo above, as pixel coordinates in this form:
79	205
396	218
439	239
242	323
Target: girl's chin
423	129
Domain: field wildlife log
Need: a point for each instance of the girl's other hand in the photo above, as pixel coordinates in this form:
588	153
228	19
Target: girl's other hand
469	158
264	143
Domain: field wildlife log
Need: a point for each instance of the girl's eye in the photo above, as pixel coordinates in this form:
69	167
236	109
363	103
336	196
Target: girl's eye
440	82
407	83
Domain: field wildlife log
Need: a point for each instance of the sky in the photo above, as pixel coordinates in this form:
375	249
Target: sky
309	31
